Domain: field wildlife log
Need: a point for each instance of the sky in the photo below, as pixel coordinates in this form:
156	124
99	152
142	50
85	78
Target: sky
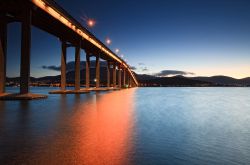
159	37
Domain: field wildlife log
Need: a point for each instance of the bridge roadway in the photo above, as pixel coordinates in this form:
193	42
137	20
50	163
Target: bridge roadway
50	17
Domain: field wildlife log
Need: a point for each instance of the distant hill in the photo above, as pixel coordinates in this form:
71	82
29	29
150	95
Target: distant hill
224	80
70	77
150	80
245	80
143	79
172	81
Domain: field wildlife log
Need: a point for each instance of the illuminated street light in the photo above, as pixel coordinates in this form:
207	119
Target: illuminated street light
108	41
91	22
122	56
117	50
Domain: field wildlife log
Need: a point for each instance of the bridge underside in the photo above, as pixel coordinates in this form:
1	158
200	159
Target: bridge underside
15	12
28	14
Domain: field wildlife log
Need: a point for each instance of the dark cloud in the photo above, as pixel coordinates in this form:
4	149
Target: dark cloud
71	65
165	73
140	64
133	67
52	67
144	69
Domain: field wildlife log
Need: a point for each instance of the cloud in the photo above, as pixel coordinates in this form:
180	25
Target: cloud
52	67
71	65
141	67
144	69
140	64
165	73
133	67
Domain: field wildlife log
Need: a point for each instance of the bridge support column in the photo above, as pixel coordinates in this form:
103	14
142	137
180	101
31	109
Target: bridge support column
3	52
77	66
63	65
87	70
114	75
128	81
120	77
25	52
124	78
97	71
108	74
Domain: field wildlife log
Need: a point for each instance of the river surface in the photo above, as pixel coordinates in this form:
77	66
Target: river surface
144	126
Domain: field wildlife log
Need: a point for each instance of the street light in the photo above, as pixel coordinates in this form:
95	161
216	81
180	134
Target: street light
108	41
91	23
117	50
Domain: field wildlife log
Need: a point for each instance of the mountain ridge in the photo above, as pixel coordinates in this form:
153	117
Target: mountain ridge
218	80
146	80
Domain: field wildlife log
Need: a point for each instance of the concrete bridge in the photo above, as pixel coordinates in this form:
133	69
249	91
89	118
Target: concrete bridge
50	17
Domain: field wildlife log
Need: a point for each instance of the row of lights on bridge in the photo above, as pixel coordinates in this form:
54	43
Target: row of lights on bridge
91	23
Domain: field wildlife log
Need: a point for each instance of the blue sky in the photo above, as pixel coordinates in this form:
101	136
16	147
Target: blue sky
205	37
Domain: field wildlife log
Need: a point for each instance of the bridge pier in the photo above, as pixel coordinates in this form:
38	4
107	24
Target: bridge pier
124	78
25	52
97	73
114	75
128	81
131	82
25	58
3	52
77	89
63	65
87	70
77	66
119	76
108	74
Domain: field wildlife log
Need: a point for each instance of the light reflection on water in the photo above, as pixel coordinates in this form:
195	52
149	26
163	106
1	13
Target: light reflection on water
134	126
79	129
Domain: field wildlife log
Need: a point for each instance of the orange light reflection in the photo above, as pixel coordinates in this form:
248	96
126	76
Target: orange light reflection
98	131
107	133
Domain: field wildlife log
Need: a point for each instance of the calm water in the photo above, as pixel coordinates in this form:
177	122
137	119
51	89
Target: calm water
135	126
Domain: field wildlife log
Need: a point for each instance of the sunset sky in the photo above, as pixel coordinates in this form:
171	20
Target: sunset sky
196	37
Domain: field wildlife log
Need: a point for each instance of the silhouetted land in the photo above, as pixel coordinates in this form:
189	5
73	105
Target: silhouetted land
149	80
144	79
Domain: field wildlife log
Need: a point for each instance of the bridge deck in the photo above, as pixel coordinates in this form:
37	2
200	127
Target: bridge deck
48	16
